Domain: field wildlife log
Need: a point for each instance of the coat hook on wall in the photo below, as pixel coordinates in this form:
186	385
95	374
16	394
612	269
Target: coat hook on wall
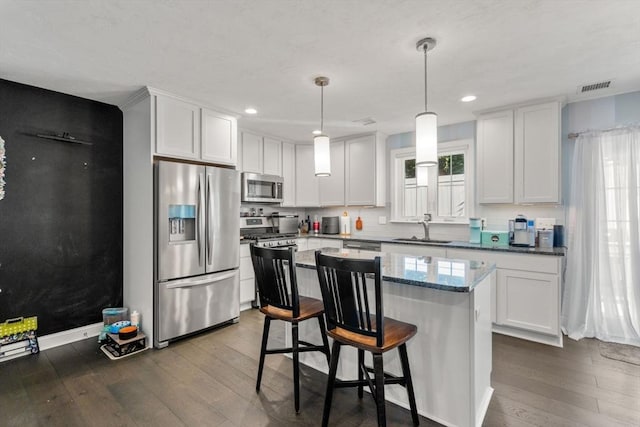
65	137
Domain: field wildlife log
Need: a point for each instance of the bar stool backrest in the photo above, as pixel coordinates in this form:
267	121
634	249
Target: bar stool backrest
276	280
347	303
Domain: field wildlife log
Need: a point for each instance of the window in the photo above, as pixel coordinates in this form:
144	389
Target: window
444	191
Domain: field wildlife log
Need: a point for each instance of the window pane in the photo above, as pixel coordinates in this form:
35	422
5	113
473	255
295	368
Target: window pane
457	164
410	168
444	165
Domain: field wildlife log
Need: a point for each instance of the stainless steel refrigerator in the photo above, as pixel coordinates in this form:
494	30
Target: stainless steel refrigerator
197	222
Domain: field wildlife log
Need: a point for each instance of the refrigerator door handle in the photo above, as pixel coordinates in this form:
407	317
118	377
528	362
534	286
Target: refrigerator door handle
207	281
200	231
210	218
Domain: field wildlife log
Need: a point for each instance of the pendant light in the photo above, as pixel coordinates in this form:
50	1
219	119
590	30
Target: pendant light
427	122
321	146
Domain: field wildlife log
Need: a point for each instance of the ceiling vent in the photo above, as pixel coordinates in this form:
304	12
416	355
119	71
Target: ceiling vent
365	122
594	86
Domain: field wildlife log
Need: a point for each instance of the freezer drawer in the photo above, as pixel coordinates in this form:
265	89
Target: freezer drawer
189	305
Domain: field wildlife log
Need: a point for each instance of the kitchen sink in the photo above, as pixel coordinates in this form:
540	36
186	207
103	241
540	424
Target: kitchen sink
417	240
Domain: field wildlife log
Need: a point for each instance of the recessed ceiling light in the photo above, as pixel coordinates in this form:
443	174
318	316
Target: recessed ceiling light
468	98
251	111
317	132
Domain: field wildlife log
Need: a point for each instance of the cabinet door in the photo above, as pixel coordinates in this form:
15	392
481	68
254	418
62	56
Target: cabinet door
251	153
528	300
360	171
219	138
272	157
177	128
288	174
307	193
495	157
537	154
332	187
302	243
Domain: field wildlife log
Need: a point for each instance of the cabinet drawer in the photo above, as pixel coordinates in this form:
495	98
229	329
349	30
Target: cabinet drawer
247	290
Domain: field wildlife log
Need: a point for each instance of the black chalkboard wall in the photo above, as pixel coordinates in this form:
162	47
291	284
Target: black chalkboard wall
61	218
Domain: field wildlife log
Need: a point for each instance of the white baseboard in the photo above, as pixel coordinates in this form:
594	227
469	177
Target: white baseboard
69	336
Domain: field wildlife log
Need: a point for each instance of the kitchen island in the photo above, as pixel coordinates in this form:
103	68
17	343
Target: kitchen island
450	356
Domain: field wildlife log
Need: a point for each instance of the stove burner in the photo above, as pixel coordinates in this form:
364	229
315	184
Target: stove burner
268	236
271	240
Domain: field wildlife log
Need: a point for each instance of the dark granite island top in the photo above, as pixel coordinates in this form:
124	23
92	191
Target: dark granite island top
454	275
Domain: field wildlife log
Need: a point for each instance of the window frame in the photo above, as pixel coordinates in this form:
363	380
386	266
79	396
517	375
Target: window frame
398	156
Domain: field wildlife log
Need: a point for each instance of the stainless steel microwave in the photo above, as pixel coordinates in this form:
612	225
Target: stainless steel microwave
261	188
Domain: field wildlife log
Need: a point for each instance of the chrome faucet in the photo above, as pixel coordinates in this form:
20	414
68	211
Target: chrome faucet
425	225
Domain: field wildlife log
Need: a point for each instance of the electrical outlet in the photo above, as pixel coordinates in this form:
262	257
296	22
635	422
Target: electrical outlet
382	220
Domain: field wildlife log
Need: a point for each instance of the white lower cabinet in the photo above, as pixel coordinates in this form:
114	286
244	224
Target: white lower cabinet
525	300
247	278
528	300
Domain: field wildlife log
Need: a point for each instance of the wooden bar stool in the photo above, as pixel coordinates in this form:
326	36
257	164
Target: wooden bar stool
275	271
350	322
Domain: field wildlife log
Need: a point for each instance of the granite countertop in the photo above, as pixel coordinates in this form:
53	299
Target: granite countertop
453	275
453	244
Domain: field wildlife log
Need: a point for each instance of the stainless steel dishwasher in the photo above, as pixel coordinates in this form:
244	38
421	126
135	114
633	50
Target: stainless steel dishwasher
363	246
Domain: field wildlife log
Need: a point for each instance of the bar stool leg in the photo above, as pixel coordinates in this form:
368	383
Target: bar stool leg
333	368
296	366
378	368
263	350
406	372
325	340
360	372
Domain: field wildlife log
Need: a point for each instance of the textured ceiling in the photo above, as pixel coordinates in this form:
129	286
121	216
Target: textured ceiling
237	53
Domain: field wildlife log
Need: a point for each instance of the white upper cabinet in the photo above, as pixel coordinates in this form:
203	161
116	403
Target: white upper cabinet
219	138
365	170
537	154
288	174
307	192
271	157
251	152
332	187
495	157
260	154
185	130
177	128
518	155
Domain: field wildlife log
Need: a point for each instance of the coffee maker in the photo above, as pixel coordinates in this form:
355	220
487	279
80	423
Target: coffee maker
520	231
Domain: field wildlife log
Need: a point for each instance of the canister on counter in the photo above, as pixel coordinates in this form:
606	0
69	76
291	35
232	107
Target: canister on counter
545	238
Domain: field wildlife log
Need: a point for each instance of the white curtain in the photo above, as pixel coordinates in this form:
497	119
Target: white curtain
602	287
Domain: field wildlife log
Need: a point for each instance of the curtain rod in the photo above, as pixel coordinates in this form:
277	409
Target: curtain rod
574	135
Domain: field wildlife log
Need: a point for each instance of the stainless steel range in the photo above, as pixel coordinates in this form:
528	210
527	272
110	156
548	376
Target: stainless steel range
263	232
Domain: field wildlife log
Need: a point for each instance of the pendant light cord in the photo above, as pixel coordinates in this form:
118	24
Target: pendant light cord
425	78
321	108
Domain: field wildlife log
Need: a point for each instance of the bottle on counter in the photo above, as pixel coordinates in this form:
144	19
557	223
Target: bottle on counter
531	229
316	225
135	319
358	224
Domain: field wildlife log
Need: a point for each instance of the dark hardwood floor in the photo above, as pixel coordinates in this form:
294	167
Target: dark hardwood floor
209	380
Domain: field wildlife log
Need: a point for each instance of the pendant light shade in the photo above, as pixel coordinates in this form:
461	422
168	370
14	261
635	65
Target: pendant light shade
427	122
322	155
426	139
422	176
321	142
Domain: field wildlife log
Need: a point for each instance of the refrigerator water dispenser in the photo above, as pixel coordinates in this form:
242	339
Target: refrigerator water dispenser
182	223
